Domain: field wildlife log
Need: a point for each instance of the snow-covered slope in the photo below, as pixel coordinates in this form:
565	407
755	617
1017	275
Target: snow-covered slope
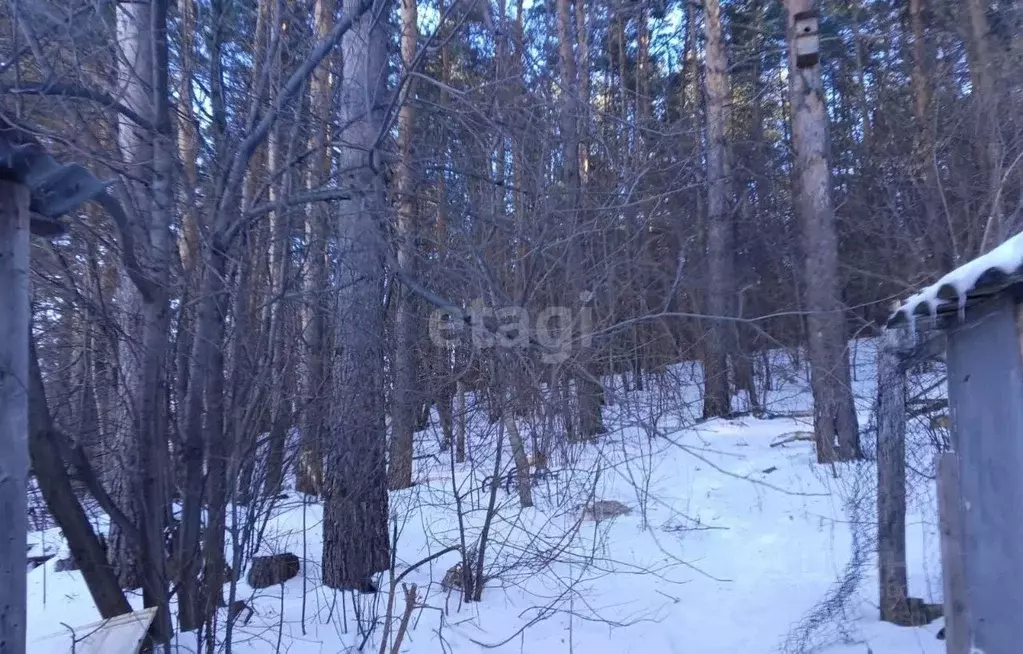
732	546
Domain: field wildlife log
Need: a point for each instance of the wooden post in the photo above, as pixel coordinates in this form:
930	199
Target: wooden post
953	572
14	322
891	478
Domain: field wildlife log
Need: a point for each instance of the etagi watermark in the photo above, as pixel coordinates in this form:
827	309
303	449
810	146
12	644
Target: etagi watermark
557	330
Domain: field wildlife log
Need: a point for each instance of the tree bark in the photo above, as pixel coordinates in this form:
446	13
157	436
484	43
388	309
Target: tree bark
523	478
279	153
835	424
135	67
720	221
142	431
460	421
927	171
986	106
356	543
203	440
314	392
588	393
405	399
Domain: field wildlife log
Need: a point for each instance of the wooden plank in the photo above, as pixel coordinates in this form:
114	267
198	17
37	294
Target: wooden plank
123	634
953	572
14	321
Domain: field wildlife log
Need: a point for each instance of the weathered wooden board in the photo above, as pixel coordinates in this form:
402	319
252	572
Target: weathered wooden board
121	635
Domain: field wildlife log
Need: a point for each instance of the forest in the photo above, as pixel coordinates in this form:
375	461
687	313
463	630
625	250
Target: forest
360	261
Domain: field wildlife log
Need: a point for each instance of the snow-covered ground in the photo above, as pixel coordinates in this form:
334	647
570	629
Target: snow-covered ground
732	546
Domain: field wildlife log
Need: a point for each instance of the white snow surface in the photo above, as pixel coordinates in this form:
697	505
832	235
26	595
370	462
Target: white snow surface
1007	257
730	544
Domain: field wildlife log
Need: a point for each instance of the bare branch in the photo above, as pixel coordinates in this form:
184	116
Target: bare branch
78	93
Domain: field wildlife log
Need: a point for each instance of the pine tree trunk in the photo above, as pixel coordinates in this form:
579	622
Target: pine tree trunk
986	106
405	399
835	423
720	221
930	193
588	391
278	153
356	543
315	391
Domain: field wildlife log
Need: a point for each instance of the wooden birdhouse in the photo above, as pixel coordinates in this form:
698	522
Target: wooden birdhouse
807	39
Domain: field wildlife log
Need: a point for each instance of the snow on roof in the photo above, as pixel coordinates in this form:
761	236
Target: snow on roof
994	269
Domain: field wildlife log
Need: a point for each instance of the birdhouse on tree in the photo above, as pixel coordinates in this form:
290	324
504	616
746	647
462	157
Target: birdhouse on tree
807	38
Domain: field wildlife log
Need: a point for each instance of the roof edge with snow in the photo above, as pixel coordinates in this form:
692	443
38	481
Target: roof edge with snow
982	277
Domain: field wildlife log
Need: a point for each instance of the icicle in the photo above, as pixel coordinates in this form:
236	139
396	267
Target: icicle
961	304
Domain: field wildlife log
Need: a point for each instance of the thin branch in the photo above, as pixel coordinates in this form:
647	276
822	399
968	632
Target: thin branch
138	276
324	194
236	173
78	93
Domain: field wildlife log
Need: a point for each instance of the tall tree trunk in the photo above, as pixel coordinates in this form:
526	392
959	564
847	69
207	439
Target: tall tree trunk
246	420
280	150
720	220
135	69
588	391
927	173
986	106
835	424
205	436
404	399
356	543
583	49
141	485
280	262
188	239
154	407
314	423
